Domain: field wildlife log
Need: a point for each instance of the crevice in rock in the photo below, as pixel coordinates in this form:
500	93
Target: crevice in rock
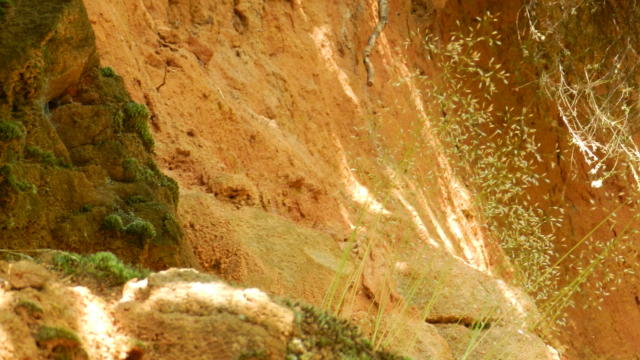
466	321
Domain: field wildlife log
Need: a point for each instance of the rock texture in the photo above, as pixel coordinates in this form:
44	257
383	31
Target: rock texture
174	314
296	177
289	161
75	150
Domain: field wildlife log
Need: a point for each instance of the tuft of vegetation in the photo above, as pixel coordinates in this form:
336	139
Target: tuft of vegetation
149	173
101	265
136	199
10	130
134	171
495	151
137	116
141	228
129	224
7	172
318	334
45	157
32	309
113	222
107	72
134	111
253	355
63	344
49	333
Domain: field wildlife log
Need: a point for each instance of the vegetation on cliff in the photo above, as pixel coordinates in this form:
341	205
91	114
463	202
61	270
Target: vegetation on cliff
74	146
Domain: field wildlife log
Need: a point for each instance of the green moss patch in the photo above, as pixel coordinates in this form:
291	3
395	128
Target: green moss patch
141	228
62	344
129	224
107	72
10	130
44	156
149	173
30	308
136	117
7	176
113	222
48	334
101	265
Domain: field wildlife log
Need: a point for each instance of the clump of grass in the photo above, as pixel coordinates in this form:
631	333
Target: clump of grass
45	157
141	228
137	116
319	334
135	111
10	130
149	173
134	171
107	72
102	265
113	222
495	150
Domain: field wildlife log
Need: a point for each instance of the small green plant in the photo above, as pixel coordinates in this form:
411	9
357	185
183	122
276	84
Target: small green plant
113	222
141	228
129	224
135	111
107	72
102	265
149	173
137	116
10	130
134	171
45	157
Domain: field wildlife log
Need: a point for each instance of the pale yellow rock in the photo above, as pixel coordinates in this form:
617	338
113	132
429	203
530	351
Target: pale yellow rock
24	274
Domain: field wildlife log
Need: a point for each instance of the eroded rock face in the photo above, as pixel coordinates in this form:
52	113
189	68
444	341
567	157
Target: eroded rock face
171	315
191	315
74	148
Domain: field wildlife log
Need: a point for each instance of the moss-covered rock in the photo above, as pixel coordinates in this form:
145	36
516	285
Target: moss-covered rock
72	138
102	265
319	335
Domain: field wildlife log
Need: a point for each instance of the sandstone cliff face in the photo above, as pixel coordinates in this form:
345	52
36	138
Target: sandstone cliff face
175	314
291	169
287	158
75	150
